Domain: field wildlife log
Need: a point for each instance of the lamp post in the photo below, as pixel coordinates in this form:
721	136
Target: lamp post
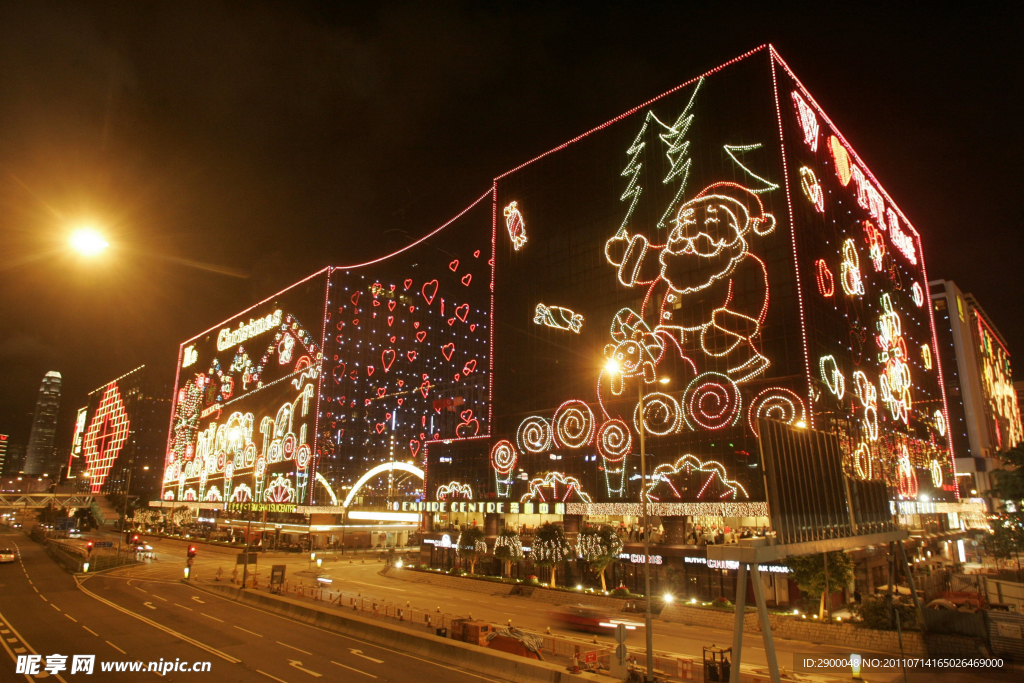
124	508
613	367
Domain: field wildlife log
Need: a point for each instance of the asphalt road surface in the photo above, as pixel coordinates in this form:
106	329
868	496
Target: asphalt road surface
118	618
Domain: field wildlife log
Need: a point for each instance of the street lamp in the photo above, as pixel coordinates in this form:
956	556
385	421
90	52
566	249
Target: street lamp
88	242
613	367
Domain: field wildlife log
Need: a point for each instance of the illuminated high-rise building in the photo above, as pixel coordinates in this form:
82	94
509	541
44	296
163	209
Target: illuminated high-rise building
4	438
984	414
39	456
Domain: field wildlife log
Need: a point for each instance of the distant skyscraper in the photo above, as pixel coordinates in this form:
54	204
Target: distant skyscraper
3	451
39	455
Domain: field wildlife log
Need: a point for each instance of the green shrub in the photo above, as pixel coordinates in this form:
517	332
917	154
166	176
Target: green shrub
874	613
620	592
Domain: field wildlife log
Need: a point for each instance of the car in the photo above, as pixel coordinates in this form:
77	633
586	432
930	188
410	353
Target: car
590	619
8	555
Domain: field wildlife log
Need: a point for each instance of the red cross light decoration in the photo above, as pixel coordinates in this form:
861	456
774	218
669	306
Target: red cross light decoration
106	436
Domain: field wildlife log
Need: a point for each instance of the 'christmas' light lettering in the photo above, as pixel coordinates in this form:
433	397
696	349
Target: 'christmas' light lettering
227	338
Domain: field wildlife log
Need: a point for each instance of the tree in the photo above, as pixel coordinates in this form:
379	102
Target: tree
471	546
550	548
600	546
508	548
1007	540
809	574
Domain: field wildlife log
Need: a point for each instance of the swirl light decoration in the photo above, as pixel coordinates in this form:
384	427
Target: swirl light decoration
711	401
858	464
503	459
534	435
876	245
826	281
906	477
940	422
832	377
574	424
812	189
662	415
614	440
776	403
917	292
935	467
853	285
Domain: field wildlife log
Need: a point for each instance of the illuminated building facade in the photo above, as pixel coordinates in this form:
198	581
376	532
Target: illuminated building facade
4	438
720	251
122	428
39	454
983	408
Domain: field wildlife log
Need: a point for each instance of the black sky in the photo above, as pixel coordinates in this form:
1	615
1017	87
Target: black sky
278	138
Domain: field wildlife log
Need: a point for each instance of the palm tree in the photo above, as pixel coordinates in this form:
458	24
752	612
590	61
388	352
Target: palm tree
508	548
550	548
600	547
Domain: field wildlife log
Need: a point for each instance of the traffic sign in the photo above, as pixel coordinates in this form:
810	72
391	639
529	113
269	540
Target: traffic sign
240	559
620	633
104	544
620	653
590	656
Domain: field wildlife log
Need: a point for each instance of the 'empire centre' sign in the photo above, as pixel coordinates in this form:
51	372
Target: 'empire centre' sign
498	508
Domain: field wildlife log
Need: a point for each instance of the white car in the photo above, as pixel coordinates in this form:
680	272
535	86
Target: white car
8	555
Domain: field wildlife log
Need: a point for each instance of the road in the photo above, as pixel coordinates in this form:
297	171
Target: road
362	575
119	618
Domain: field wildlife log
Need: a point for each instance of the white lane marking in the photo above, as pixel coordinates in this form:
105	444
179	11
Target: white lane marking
44	599
248	631
295	648
209	617
91	631
351	669
54	607
357	640
201	602
149	605
159	598
377	585
35	589
181	636
298	665
116	647
183	607
71	617
269	676
139	589
359	653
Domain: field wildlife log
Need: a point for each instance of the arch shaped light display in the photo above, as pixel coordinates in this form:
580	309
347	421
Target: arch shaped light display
380	469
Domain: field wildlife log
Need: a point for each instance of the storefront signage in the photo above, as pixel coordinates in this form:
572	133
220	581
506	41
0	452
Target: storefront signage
639	559
262	507
733	564
489	507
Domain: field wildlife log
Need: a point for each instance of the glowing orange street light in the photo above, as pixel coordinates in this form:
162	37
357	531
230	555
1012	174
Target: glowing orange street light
88	241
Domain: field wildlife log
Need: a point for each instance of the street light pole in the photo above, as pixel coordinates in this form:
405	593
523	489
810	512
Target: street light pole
647	552
124	508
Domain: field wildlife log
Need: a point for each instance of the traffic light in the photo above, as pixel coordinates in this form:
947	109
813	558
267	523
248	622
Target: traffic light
135	538
88	547
191	551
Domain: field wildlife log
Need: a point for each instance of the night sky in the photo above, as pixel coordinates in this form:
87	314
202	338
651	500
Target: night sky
273	139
